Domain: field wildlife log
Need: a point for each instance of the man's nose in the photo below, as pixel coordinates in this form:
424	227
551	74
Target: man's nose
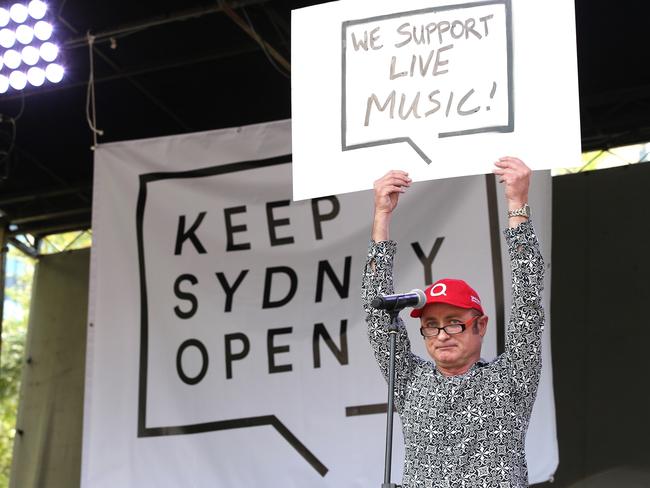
442	335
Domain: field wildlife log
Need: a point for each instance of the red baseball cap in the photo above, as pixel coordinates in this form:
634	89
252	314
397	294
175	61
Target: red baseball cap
454	292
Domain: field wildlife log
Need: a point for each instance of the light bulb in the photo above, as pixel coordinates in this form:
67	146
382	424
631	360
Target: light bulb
49	51
43	30
36	76
12	59
54	72
7	38
30	55
24	34
18	13
37	9
4	84
18	80
4	18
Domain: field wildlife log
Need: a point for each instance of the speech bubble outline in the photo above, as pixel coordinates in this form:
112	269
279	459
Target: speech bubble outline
143	430
509	127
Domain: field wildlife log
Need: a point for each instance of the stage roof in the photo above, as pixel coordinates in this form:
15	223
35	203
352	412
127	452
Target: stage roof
169	67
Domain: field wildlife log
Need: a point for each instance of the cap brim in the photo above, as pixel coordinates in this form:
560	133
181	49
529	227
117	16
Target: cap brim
417	312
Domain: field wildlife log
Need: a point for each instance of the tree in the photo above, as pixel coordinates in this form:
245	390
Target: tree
18	282
18	289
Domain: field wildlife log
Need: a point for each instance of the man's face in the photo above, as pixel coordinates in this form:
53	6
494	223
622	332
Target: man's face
455	352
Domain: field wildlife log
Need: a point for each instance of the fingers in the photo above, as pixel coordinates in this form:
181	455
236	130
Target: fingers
395	172
395	188
396	175
393	178
388	189
515	176
509	162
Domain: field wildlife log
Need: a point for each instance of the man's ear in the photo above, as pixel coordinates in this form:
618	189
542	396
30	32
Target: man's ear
482	325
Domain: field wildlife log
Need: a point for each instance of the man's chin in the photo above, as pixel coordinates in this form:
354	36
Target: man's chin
445	355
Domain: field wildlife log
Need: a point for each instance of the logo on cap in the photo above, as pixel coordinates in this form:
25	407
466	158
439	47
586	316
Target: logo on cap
438	289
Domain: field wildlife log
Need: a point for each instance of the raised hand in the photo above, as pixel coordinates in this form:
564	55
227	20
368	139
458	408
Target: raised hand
516	176
388	188
514	173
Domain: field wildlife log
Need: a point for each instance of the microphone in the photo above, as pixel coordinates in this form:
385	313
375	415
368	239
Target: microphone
414	298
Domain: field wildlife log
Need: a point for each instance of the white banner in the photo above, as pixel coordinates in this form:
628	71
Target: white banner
443	87
227	344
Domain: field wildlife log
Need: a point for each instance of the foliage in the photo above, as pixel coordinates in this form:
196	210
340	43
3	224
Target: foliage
20	270
609	158
18	283
65	242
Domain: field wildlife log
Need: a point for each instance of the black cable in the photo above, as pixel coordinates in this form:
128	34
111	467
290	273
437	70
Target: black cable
276	26
261	43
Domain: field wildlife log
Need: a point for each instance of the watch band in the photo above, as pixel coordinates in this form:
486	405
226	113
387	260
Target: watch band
520	212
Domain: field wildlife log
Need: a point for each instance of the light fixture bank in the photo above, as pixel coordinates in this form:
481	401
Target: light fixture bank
28	52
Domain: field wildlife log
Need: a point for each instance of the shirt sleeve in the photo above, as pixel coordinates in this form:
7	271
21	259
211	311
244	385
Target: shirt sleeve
523	351
378	280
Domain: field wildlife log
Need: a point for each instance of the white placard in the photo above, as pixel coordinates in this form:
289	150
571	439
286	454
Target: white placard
436	88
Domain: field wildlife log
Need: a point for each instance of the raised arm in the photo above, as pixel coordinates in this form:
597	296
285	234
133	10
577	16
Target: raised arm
524	334
378	280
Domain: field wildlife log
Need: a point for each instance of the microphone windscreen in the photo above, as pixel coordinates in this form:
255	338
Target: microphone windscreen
422	298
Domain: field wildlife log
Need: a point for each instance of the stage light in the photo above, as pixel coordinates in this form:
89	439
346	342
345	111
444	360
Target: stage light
18	13
54	72
24	34
7	38
49	51
18	80
12	59
31	55
37	9
4	17
36	76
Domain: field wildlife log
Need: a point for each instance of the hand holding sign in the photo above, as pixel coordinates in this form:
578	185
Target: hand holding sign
387	192
516	176
388	188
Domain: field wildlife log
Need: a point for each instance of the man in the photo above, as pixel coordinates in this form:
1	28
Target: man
464	420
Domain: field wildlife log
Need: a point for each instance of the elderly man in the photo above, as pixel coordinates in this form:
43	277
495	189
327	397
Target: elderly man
464	420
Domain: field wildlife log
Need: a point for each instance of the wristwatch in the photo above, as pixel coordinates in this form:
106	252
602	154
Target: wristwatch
520	212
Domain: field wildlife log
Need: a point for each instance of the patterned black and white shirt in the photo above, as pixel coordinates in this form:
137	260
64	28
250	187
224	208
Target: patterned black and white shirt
468	430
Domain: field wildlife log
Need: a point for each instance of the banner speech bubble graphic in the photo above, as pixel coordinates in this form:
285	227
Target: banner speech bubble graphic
422	75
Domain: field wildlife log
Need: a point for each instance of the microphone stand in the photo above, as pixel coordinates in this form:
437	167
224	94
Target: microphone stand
392	334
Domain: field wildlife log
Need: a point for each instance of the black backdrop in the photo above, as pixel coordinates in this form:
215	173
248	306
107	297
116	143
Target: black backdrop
600	309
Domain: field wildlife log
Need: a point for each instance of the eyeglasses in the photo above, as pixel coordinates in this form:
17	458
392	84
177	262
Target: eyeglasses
455	327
